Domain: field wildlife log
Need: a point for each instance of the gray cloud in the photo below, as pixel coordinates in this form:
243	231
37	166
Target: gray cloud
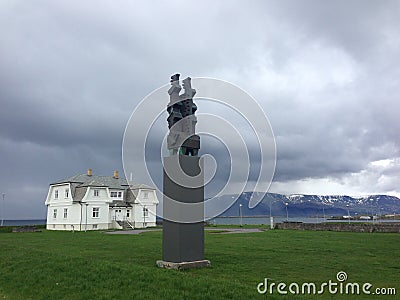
325	73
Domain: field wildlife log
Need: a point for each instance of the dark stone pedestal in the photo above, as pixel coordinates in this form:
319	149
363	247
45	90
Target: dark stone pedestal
183	212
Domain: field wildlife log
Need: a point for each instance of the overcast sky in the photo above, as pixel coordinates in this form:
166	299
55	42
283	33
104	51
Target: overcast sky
325	72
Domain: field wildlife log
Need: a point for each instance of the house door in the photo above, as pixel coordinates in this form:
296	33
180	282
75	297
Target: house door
118	215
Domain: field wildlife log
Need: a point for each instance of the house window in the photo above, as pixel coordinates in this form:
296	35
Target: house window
54	225
96	193
65	213
115	194
145	212
66	193
94	226
65	226
95	212
128	213
55	214
56	194
145	195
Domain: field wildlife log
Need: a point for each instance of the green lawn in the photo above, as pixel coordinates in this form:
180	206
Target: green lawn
94	265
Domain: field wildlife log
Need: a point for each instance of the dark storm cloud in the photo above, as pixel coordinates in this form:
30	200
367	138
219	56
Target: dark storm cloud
71	73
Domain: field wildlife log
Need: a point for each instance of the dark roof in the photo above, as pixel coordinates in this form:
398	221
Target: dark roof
101	181
96	180
118	203
78	192
80	183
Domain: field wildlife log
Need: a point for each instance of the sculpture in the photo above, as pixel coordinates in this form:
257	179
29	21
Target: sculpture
181	120
183	206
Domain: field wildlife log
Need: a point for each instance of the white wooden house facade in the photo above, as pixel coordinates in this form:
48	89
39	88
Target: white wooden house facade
89	202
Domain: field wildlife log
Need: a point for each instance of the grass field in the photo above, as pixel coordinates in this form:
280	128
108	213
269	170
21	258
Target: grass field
94	265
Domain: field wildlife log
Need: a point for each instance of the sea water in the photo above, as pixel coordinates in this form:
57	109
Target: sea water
23	222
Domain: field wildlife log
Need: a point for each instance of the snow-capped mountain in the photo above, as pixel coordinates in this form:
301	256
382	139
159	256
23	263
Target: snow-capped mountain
313	205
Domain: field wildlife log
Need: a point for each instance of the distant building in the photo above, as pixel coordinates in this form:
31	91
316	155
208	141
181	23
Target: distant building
91	202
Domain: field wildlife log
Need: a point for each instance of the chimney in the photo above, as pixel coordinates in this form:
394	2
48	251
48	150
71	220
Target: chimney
116	174
89	172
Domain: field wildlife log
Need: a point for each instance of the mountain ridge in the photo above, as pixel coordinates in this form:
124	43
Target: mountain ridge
305	205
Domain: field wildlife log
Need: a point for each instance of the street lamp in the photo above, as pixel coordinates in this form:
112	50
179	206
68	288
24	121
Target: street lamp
287	213
240	213
378	212
271	219
2	211
348	212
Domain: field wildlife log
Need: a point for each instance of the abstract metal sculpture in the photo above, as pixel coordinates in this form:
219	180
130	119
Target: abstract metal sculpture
183	241
181	120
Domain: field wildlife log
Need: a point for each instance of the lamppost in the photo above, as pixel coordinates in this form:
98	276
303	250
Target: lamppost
86	216
348	212
287	213
378	216
323	211
2	211
271	219
240	213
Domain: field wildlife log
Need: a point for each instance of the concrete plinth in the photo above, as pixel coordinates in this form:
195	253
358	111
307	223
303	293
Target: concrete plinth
183	239
183	265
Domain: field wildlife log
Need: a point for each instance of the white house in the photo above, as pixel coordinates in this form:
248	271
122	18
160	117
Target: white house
90	202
